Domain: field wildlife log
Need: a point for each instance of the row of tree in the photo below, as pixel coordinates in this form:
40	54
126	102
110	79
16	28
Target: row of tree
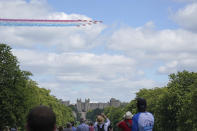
18	93
173	106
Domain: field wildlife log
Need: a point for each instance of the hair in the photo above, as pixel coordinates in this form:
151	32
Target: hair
41	118
141	104
60	128
100	119
68	125
91	123
82	120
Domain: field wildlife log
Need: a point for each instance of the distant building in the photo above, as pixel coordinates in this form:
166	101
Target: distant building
84	107
67	103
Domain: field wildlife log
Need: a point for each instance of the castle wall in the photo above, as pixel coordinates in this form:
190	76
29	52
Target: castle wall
86	106
98	105
67	103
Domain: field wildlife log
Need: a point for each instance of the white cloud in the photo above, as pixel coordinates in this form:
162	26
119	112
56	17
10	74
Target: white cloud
78	66
169	68
152	47
185	0
152	41
84	73
186	17
64	39
23	9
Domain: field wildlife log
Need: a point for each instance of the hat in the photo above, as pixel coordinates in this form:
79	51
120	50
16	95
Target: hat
100	119
128	115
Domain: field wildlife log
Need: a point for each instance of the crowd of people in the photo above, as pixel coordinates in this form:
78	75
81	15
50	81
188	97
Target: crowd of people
42	118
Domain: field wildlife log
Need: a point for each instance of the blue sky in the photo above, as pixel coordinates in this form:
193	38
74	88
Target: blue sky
137	46
130	12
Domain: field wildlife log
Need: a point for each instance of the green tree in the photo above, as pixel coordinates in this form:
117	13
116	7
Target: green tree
13	87
18	94
115	114
91	115
173	106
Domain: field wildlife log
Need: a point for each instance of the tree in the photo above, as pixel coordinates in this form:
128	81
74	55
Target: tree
91	115
18	94
173	106
13	85
115	114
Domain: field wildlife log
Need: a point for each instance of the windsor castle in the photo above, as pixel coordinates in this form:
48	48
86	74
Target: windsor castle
86	106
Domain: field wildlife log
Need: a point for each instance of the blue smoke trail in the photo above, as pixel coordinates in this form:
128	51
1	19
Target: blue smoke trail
38	24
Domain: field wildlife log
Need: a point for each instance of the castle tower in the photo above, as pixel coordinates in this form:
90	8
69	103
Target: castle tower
79	105
87	104
114	102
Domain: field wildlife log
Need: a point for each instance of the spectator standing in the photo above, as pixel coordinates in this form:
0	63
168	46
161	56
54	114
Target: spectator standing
41	118
126	124
68	127
73	126
91	126
83	126
60	128
143	120
6	128
100	124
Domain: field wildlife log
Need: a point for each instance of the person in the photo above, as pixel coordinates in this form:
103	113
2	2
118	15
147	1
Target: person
126	124
83	126
73	126
110	128
91	126
6	128
143	120
68	127
41	118
13	128
100	124
60	128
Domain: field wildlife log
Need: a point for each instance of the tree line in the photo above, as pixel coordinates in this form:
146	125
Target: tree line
19	93
174	106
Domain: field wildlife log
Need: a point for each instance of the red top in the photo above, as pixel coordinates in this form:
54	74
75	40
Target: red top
123	125
91	128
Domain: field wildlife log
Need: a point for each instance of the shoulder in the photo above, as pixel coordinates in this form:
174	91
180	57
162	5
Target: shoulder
120	123
149	115
136	116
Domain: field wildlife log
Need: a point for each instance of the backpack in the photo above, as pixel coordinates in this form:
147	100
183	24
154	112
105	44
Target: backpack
101	129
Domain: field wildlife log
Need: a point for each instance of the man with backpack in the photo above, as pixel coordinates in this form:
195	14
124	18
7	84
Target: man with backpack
126	124
100	124
143	120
